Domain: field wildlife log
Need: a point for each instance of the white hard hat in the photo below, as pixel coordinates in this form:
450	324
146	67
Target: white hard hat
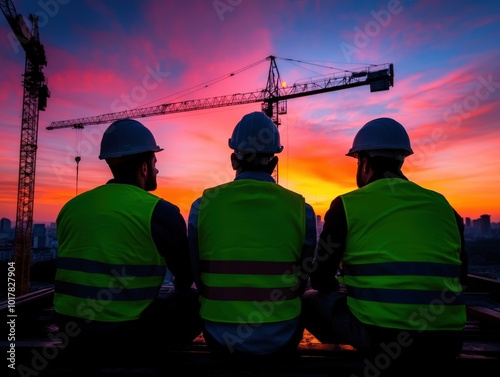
384	135
256	133
125	137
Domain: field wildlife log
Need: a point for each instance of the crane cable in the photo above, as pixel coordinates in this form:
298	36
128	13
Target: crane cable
206	84
78	157
301	63
175	95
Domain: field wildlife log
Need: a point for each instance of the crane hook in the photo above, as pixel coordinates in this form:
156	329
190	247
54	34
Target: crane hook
77	159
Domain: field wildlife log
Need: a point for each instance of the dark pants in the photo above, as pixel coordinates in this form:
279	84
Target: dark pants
329	319
221	351
170	322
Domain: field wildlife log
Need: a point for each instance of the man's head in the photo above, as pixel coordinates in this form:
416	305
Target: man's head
255	141
381	147
129	149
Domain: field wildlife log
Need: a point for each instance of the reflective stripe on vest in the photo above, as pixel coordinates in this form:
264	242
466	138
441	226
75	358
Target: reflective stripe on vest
402	262
250	237
99	276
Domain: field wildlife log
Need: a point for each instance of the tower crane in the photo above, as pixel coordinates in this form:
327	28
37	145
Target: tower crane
35	94
273	98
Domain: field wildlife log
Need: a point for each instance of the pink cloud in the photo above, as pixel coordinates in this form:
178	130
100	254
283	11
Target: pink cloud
196	51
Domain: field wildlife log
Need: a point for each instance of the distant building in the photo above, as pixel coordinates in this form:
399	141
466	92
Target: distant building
481	227
485	225
6	233
468	222
5	225
44	241
40	240
319	225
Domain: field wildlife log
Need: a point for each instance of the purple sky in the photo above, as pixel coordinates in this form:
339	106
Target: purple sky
107	56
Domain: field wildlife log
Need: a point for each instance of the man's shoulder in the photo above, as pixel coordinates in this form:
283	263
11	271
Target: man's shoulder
309	208
165	205
167	213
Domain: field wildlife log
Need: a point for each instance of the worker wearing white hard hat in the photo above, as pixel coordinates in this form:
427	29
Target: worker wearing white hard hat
115	242
397	249
249	239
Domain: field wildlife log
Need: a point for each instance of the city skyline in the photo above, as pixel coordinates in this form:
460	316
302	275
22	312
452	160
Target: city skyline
105	57
468	221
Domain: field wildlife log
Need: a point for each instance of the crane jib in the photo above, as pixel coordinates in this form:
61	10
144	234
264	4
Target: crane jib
378	77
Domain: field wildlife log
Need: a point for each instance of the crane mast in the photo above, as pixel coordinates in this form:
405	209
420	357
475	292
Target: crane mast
35	94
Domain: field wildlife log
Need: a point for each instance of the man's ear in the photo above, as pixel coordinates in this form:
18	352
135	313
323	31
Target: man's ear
272	163
144	169
235	162
367	166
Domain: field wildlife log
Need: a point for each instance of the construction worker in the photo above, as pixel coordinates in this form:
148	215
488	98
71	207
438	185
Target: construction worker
249	238
398	250
116	242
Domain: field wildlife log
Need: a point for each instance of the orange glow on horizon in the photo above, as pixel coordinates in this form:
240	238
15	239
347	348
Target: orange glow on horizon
446	94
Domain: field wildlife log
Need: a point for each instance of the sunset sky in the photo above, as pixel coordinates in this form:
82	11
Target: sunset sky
106	56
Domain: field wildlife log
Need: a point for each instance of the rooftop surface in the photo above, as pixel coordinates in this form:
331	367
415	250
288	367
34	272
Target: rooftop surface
38	345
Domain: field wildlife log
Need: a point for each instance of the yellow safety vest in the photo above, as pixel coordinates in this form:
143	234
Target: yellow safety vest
108	267
402	259
250	237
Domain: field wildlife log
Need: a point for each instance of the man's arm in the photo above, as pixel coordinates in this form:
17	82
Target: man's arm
169	232
308	249
193	242
464	273
331	246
